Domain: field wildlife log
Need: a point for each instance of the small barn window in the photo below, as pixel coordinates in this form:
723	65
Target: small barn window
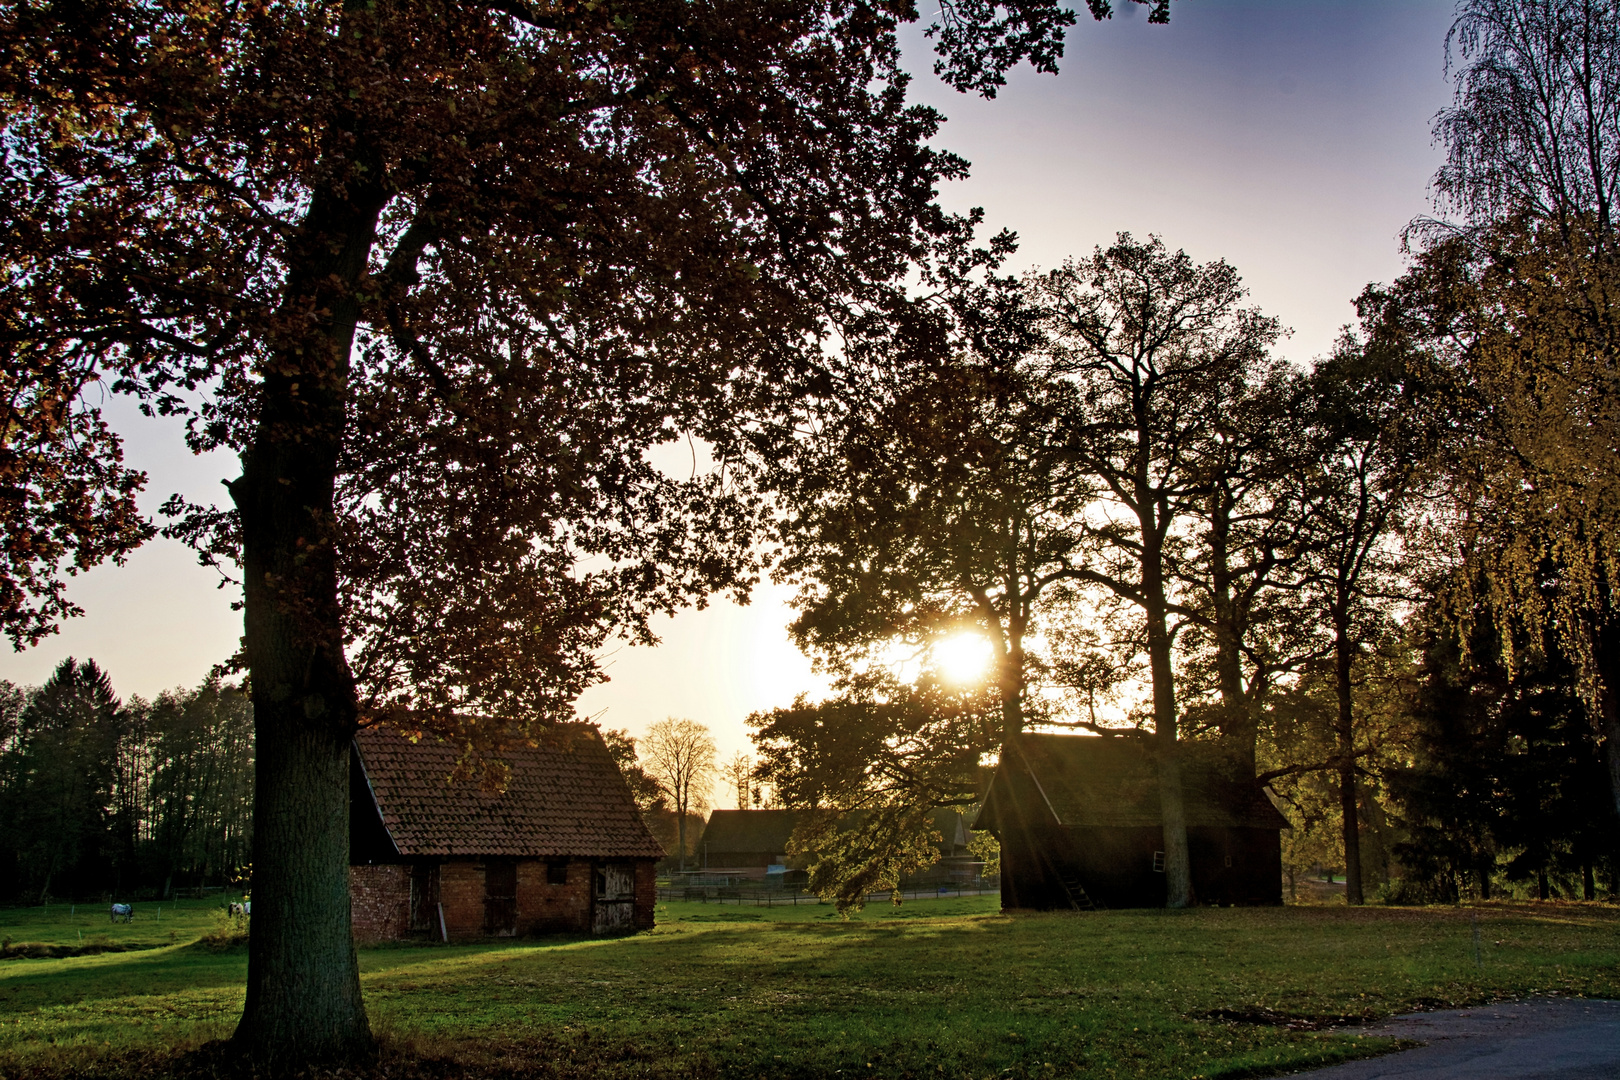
1158	862
556	871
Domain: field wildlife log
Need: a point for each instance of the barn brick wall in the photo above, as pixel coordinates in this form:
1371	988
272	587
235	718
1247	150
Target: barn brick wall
646	893
541	908
550	909
380	899
461	892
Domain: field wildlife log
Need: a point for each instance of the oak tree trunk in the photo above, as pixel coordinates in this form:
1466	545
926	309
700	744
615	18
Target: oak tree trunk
1178	892
1010	685
1343	656
1239	731
303	994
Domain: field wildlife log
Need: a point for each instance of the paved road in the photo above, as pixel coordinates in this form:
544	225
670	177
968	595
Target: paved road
1543	1038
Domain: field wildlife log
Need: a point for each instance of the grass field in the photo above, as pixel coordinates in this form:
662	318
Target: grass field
154	924
936	988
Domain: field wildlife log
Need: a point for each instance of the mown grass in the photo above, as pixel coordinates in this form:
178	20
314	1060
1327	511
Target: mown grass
938	988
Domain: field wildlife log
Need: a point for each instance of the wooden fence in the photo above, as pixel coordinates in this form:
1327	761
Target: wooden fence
721	894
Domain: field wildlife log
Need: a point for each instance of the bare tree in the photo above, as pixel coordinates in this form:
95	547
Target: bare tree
679	754
738	774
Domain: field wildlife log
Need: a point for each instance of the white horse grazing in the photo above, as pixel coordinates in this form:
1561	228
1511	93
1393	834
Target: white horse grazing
122	911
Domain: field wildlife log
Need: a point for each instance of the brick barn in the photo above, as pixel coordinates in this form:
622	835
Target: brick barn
561	849
1079	825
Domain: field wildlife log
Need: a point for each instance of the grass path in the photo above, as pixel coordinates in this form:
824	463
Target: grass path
947	988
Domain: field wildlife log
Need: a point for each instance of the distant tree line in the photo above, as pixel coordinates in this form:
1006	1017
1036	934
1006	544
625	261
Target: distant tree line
101	798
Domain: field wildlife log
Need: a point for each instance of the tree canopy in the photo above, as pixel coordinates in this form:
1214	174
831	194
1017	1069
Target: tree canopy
1517	299
1000	455
927	491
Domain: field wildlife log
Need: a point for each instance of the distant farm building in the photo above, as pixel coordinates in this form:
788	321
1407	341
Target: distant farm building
752	845
1079	824
561	847
748	843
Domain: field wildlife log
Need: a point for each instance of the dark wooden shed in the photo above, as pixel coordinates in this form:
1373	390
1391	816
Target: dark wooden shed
561	848
1079	824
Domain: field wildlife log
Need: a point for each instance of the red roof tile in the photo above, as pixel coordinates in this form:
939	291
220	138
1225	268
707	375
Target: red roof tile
564	798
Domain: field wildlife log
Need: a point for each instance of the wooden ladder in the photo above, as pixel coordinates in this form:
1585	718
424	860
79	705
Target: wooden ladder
1079	899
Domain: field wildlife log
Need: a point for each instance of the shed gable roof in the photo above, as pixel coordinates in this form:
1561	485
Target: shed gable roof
1089	781
564	797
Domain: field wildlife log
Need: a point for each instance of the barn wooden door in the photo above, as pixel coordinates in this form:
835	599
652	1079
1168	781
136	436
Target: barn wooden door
500	897
425	900
615	906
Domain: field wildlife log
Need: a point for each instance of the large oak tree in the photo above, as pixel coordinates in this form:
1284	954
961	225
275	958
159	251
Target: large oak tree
1157	348
925	493
1372	415
1242	575
440	273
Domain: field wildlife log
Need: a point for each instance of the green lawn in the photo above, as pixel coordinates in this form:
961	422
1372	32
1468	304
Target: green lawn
167	923
937	988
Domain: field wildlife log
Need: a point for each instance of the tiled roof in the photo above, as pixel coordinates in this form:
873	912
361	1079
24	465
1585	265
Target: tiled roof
565	797
1092	780
748	831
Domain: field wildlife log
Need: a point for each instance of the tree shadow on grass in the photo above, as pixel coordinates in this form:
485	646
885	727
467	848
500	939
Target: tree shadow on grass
42	983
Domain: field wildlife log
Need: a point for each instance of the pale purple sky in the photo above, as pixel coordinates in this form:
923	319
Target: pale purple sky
1289	137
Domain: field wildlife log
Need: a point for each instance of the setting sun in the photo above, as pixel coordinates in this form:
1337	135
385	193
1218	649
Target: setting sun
962	657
